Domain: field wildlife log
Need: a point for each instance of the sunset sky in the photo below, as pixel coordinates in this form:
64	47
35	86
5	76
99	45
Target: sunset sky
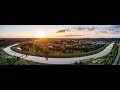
59	31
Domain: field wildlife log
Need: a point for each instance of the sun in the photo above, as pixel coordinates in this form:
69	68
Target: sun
40	35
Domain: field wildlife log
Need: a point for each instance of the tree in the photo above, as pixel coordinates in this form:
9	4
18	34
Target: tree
80	63
76	63
46	51
63	51
17	58
47	58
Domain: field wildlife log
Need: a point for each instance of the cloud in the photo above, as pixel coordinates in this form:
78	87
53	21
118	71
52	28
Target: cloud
60	31
103	31
84	28
115	29
108	31
77	28
72	35
111	29
63	30
89	29
115	26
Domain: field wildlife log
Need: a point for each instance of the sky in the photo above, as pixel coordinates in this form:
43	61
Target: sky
59	31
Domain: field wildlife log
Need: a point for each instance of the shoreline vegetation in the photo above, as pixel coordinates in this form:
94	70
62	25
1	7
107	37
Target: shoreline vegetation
61	55
105	60
6	59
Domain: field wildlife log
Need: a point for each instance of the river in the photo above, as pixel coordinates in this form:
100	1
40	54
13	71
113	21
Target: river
57	60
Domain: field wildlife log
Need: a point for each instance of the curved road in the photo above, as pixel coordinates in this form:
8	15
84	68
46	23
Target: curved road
57	60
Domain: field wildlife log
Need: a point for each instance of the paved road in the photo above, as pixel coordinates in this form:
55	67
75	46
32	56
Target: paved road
58	60
117	57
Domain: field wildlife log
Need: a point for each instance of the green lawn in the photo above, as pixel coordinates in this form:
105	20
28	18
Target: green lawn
98	61
4	55
60	54
87	62
26	62
3	61
118	63
101	60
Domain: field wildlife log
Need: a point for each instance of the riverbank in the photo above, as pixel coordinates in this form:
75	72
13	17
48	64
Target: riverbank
58	60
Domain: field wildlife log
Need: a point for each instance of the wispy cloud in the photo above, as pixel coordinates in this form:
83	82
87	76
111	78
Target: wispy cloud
115	27
60	31
63	30
102	31
72	35
110	29
84	28
77	28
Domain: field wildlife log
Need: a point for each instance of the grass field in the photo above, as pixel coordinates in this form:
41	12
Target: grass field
4	55
17	62
26	62
60	54
99	61
118	63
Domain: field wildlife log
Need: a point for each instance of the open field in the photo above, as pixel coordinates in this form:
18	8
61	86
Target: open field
59	54
11	60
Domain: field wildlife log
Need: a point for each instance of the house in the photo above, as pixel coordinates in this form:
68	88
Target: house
100	42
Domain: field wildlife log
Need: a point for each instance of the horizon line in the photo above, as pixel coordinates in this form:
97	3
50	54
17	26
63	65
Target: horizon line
61	38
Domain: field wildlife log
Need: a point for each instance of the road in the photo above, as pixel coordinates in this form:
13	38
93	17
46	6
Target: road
117	57
57	60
